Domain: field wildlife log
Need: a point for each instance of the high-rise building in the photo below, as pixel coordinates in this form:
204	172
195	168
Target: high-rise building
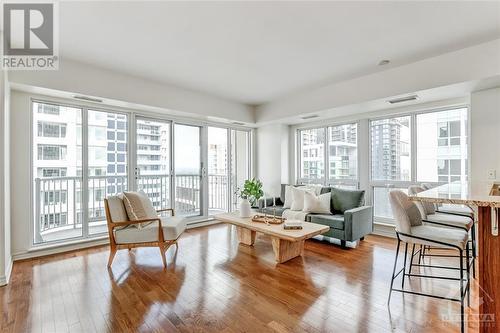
390	149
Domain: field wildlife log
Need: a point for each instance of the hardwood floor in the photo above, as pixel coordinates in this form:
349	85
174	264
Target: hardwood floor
212	284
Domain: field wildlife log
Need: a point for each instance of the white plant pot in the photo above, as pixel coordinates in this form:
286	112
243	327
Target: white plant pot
245	208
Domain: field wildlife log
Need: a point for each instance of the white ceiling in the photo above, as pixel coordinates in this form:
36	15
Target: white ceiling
255	52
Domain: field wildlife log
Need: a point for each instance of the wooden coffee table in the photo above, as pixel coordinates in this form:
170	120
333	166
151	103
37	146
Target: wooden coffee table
287	244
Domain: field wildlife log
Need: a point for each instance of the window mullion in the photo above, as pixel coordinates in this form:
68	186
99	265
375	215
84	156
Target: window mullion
326	164
84	190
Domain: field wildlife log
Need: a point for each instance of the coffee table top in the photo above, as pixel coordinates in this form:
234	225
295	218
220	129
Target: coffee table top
276	230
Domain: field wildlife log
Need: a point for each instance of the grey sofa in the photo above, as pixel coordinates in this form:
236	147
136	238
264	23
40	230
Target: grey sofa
350	219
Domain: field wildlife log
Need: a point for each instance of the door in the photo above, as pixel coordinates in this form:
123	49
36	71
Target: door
189	170
153	169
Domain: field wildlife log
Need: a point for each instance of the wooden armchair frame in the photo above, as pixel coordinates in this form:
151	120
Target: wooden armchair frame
161	243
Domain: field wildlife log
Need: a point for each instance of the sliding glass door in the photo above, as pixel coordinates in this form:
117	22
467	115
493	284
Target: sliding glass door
218	170
107	167
153	169
189	170
79	158
81	155
57	172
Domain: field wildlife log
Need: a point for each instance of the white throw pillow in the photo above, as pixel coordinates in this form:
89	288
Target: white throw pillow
298	198
317	204
288	197
316	189
139	207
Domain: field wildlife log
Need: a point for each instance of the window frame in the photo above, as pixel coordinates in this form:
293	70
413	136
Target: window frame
130	132
326	181
373	183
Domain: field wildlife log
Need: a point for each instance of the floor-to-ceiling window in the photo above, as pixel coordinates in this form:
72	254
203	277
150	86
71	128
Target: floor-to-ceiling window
328	155
57	171
81	155
218	170
153	160
240	161
189	170
421	147
390	160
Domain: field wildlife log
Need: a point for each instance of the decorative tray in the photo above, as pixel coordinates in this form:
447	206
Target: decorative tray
270	219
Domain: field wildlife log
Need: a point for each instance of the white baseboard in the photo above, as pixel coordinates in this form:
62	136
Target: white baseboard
83	244
4	280
383	229
59	248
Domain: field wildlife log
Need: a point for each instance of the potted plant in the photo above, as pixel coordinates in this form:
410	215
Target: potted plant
250	193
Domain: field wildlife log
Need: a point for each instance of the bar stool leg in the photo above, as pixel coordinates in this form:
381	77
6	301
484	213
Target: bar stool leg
404	267
462	325
420	255
467	262
394	271
473	235
411	259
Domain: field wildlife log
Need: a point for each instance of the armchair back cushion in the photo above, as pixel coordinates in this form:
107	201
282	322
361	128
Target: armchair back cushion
139	207
117	209
343	200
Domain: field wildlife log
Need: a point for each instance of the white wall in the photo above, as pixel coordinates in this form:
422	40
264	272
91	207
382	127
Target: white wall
272	157
466	65
485	130
5	218
78	78
20	172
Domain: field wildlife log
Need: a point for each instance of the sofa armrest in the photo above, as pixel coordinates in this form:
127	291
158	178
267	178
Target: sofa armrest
269	202
358	222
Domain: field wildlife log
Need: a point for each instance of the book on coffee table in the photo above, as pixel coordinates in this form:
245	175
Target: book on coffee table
292	225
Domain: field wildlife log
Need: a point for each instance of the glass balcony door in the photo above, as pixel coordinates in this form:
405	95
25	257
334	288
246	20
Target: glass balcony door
218	170
189	170
153	162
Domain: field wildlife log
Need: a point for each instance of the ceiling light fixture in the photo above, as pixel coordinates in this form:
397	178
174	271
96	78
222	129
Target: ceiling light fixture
403	99
86	98
384	62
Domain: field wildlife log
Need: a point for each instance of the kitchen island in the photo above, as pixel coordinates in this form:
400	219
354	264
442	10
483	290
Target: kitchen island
486	199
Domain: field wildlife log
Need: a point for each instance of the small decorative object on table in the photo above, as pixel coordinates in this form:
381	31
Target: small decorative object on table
264	219
292	225
250	194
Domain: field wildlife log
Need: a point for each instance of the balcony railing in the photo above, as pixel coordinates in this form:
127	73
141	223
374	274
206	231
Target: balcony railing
58	200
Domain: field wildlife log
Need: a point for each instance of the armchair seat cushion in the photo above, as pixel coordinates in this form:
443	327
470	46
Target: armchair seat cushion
173	227
333	221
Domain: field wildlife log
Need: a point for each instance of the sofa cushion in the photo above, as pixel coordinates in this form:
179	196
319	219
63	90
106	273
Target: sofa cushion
343	200
173	227
333	221
288	197
316	204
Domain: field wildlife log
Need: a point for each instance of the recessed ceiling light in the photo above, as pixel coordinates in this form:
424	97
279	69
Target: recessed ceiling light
384	62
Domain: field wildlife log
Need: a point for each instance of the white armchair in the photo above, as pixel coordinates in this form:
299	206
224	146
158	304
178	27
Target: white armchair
125	233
